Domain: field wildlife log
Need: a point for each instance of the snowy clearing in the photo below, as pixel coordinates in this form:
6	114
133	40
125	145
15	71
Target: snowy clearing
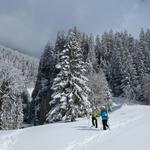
129	130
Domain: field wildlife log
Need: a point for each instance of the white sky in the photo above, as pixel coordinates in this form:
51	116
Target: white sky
29	24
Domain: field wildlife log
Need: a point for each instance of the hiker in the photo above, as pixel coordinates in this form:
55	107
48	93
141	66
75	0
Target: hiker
95	115
104	116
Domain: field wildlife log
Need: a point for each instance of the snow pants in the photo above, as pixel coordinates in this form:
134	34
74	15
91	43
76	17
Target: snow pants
105	125
94	122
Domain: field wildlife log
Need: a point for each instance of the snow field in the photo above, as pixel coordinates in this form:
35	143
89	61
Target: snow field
129	131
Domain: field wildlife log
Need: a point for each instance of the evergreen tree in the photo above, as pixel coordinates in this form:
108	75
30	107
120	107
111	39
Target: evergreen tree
59	45
98	50
107	56
11	87
129	81
147	50
70	97
116	75
85	46
91	59
142	62
42	93
146	88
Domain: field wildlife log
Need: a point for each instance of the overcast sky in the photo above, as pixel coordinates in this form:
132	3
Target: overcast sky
29	24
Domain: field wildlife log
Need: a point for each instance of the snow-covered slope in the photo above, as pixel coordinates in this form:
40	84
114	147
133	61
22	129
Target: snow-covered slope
27	65
130	130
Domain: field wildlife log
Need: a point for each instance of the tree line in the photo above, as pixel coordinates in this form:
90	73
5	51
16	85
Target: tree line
115	63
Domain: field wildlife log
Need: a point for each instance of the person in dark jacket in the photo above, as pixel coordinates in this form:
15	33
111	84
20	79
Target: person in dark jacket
104	116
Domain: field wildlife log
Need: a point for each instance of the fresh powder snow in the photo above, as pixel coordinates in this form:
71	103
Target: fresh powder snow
129	130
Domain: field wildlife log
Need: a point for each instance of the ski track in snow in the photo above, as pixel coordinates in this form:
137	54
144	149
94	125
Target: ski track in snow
84	144
78	144
8	139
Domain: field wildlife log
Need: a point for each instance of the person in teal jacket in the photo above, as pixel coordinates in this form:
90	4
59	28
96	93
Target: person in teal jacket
104	116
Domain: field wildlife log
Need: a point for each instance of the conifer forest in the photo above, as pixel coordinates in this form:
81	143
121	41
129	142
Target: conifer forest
74	73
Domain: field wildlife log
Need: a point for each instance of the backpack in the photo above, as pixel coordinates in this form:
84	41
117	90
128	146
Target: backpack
104	114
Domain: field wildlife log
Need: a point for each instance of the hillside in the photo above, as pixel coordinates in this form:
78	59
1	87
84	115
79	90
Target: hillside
24	63
129	130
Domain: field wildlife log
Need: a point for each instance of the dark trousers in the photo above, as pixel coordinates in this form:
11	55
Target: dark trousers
94	122
105	125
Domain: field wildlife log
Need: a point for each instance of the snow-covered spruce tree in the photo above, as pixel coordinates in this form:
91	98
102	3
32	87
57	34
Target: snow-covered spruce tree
121	73
145	45
98	50
146	88
11	87
107	53
42	92
59	45
91	59
128	71
70	97
109	58
138	59
140	63
84	46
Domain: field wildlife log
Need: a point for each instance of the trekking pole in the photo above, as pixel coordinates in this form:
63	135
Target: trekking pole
88	117
108	124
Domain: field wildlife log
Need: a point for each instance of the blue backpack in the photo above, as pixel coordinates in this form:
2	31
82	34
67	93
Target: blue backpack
104	114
